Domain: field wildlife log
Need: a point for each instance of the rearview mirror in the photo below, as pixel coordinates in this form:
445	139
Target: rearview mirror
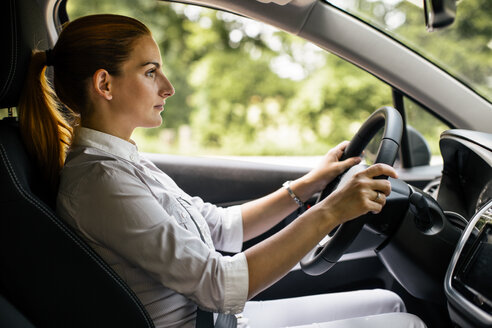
439	13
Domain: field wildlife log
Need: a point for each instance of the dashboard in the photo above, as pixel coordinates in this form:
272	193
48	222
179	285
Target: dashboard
466	183
465	191
468	280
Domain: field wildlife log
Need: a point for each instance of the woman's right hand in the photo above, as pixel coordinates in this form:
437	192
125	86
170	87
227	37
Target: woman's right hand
273	257
360	195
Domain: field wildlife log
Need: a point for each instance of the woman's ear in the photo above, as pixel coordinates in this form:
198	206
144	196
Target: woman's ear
101	83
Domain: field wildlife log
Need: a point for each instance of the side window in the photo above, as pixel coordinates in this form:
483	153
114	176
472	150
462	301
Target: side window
424	131
7	112
4	113
247	89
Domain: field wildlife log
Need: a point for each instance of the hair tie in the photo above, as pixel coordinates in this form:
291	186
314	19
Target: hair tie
50	60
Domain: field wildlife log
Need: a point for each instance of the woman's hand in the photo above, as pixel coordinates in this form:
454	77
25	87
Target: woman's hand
328	169
263	213
275	256
360	195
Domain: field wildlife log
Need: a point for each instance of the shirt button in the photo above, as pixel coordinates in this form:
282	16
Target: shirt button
133	157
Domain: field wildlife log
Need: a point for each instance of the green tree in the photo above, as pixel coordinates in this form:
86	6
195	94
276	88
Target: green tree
233	96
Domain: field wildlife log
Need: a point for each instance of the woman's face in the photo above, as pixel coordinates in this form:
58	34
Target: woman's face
139	93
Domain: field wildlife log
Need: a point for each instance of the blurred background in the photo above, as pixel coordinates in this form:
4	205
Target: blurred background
248	89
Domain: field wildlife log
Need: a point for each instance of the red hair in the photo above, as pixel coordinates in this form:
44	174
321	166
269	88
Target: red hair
84	46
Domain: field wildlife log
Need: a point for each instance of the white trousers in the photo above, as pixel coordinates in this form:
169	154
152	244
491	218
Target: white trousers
363	308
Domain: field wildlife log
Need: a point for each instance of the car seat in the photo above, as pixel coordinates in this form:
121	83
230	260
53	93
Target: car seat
48	274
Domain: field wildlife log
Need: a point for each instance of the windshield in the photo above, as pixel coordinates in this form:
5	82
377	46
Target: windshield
464	49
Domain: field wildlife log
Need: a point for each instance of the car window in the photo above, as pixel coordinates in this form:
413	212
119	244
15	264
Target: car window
427	126
5	112
423	134
247	89
464	49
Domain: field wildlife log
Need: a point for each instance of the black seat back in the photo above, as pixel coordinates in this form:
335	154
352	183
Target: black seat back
47	272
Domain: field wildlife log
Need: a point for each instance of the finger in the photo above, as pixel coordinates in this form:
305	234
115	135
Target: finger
379	198
383	186
375	196
372	206
376	205
380	169
342	145
377	208
349	162
340	148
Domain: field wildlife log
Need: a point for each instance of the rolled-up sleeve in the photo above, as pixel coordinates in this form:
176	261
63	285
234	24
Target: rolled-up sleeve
225	224
114	208
236	286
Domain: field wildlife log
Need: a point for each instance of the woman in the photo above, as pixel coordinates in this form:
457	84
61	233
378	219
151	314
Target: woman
161	241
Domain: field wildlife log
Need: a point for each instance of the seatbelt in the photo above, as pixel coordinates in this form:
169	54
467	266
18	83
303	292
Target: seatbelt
226	321
205	319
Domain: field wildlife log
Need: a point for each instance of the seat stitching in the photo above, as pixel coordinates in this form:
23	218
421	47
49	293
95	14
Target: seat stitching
98	261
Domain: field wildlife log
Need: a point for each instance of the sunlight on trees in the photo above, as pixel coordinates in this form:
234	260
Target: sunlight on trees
245	88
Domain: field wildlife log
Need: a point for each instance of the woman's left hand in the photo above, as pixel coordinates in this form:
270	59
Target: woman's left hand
329	168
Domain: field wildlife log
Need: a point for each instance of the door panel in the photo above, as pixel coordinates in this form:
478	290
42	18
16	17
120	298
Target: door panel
225	182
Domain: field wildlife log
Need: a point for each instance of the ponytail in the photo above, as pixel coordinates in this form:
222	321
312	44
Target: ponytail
44	128
81	49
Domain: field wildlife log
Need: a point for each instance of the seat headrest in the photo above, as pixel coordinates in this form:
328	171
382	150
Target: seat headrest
21	30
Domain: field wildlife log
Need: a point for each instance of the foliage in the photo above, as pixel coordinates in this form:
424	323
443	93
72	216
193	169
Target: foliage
464	49
243	88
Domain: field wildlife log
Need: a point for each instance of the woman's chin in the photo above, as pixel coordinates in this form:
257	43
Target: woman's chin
155	123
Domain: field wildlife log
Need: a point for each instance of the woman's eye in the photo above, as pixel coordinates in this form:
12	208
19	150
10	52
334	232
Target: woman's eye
150	73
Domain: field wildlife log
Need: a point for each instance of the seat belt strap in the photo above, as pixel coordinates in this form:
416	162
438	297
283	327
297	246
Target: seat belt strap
226	321
205	319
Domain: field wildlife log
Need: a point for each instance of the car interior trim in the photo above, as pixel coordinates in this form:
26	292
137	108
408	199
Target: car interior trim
455	296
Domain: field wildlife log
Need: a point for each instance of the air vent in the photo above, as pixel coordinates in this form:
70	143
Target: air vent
433	188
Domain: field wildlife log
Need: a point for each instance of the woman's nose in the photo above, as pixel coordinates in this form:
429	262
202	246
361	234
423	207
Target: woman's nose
166	88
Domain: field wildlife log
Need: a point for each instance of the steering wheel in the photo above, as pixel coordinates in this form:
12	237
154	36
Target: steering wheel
323	257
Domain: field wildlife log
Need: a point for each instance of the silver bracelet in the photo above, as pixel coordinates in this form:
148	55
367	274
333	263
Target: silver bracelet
286	185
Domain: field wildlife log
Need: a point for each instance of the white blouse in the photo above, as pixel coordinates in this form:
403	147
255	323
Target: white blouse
160	240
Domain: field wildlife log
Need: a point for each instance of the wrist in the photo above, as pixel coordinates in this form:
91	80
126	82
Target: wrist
323	219
287	186
307	186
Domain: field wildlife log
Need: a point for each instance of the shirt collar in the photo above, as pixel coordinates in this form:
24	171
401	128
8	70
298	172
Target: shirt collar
106	142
